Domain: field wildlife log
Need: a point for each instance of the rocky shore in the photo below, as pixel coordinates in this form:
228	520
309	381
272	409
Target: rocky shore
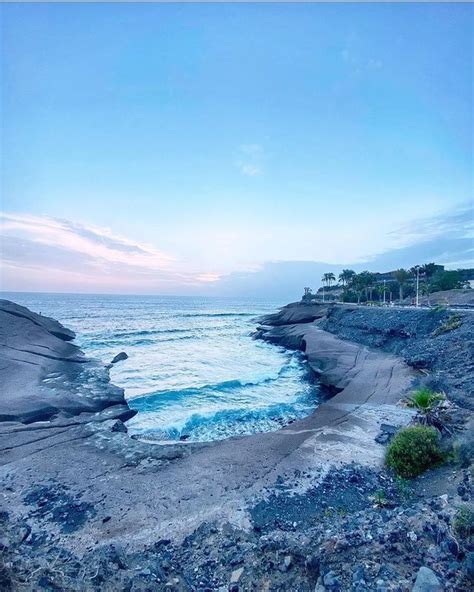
309	507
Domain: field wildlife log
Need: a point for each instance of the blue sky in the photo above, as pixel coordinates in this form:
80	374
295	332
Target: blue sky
203	142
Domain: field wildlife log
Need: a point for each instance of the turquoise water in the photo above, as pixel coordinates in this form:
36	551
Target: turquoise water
193	371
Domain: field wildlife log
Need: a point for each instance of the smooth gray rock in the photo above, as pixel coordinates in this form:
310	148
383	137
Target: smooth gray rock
427	581
294	313
43	375
50	325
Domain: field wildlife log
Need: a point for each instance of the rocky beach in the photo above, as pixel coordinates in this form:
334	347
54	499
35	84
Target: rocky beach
311	506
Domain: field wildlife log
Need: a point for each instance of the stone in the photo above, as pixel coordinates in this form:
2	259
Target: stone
468	565
287	562
427	581
312	564
331	581
236	575
452	545
119	357
358	575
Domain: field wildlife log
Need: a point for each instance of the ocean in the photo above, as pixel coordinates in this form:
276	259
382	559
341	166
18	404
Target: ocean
194	372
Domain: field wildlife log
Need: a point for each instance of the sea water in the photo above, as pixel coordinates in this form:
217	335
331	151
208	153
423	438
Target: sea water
193	372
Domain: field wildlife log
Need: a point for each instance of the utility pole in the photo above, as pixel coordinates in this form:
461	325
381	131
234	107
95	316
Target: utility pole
323	293
417	285
384	284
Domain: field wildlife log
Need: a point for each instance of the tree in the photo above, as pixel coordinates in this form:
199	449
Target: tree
367	280
346	276
429	269
358	285
328	278
446	280
380	290
401	275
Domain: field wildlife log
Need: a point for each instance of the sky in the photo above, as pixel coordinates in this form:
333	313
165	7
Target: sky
232	149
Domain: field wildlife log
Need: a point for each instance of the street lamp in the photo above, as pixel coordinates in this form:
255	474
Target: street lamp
417	285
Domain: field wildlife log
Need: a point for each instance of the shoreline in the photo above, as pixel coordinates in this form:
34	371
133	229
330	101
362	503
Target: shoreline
95	487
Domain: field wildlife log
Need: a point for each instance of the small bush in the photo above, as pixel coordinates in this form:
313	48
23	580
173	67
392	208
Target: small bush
424	399
452	323
413	450
380	499
463	524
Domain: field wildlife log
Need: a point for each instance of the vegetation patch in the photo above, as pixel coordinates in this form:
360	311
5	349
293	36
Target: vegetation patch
463	524
452	323
432	409
424	399
413	450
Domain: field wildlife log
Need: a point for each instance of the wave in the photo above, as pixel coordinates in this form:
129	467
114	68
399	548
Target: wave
217	314
159	399
119	338
224	423
146	332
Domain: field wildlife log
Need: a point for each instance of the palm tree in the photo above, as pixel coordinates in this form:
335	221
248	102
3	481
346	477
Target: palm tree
380	290
328	278
346	276
358	286
428	269
366	279
401	275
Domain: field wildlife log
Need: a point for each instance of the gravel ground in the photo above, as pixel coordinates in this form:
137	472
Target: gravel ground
348	529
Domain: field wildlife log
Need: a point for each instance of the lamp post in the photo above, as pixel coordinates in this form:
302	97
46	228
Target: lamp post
417	285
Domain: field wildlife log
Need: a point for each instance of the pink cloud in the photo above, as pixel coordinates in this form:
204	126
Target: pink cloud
44	253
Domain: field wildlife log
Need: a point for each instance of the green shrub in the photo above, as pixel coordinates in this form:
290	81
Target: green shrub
424	399
452	323
413	450
463	524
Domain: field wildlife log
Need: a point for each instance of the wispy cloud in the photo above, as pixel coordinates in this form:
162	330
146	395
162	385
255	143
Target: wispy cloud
454	223
40	252
250	159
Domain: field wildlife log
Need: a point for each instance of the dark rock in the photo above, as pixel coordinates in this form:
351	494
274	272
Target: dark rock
119	357
452	545
468	565
382	438
312	564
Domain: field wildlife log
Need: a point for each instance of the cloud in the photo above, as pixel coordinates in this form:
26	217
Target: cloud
446	238
40	253
44	253
250	159
458	223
